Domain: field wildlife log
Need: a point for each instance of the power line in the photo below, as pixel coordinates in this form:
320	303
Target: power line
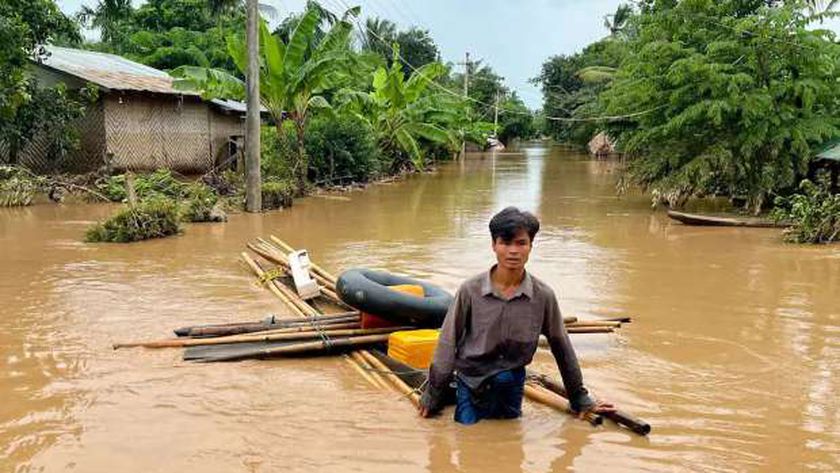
515	112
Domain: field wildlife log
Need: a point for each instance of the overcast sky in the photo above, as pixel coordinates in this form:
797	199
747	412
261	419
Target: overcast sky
513	36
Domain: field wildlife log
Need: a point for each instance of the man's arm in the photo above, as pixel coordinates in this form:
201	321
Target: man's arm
440	372
564	354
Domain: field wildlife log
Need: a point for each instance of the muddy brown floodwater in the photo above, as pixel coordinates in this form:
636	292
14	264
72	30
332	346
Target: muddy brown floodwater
733	355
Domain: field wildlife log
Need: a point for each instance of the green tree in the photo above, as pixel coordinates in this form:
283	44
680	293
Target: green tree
403	113
292	82
571	86
416	46
110	16
729	103
25	108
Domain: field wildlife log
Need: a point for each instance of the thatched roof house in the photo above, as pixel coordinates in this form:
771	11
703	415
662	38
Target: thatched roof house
140	122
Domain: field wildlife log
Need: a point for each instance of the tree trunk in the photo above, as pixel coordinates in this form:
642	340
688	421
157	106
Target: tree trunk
253	180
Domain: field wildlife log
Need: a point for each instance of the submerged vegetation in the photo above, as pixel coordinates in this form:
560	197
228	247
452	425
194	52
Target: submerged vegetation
156	217
17	188
813	213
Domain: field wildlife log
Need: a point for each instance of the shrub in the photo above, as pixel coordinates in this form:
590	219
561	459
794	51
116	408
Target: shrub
17	187
814	214
158	183
201	204
156	217
277	152
277	194
341	149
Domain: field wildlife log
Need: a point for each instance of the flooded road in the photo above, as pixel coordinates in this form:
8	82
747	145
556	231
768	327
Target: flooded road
733	355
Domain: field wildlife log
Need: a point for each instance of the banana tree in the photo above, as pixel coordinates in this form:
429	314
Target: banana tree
402	112
292	80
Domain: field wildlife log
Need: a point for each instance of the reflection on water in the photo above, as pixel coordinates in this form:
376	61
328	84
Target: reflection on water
733	355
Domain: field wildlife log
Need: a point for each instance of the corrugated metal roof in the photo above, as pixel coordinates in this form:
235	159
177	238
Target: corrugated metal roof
831	151
235	106
109	70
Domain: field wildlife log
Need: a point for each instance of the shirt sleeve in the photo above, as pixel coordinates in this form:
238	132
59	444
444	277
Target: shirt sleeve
440	372
564	355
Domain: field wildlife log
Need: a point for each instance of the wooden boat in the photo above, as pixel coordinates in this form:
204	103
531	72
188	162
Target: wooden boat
712	221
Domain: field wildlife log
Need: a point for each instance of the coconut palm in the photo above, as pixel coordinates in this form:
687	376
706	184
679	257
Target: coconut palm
108	16
617	21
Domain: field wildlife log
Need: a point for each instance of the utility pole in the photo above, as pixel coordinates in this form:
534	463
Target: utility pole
466	98
496	117
253	180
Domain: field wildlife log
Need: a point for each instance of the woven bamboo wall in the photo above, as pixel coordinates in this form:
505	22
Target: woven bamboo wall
37	155
146	132
223	126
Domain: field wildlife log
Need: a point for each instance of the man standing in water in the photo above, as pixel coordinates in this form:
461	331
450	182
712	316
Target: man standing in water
492	330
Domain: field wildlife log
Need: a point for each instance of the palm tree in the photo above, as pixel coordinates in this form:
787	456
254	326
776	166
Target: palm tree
817	6
108	16
378	35
616	22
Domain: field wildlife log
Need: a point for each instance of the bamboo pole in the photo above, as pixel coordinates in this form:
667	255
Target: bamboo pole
253	327
392	377
594	323
357	356
293	297
270	252
328	281
589	329
272	337
303	347
620	417
537	393
261	274
327	288
314	266
362	371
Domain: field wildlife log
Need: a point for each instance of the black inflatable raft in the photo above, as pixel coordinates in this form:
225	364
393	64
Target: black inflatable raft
367	290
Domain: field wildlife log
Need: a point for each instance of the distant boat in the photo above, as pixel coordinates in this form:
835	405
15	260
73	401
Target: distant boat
711	221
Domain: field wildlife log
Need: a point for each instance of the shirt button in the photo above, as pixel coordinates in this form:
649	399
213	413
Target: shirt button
501	357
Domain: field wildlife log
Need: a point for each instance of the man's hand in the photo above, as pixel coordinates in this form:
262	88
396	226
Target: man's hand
424	411
600	407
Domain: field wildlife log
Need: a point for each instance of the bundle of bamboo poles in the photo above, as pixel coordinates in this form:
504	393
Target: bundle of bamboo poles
311	321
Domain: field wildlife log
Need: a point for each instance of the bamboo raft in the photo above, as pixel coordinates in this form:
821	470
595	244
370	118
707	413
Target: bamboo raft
326	325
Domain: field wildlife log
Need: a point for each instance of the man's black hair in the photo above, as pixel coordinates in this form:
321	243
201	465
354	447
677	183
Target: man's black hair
507	223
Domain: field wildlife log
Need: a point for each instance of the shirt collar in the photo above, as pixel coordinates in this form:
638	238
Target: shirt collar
526	287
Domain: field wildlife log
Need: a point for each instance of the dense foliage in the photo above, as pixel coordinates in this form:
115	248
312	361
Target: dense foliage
166	34
704	97
813	213
571	85
403	111
343	150
729	103
417	48
28	110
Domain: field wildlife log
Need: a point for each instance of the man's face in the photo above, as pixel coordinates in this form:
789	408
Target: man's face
513	255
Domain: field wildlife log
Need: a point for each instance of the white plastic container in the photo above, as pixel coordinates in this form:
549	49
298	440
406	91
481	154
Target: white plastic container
306	287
